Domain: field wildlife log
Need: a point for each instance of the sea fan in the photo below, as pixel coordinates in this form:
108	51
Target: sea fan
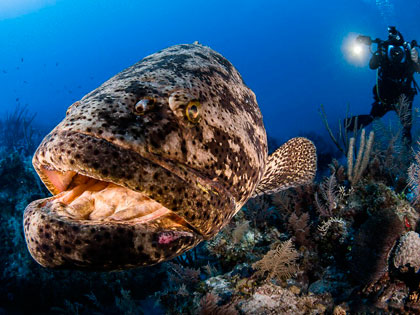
328	190
278	263
299	226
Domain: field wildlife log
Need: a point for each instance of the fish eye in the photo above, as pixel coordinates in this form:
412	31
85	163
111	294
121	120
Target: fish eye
144	105
192	111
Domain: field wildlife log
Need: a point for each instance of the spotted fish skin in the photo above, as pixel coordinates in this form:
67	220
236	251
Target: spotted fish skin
135	131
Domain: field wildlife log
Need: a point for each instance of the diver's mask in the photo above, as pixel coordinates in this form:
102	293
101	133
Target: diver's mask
394	36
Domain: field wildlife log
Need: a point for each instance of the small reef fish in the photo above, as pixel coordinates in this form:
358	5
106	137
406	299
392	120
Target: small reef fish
154	161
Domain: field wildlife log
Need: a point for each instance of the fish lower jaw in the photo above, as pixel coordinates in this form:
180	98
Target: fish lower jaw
99	225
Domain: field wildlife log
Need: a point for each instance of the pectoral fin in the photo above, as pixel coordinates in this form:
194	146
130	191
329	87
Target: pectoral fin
293	164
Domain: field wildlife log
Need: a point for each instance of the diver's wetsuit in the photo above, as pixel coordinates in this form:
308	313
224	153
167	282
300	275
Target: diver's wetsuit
394	79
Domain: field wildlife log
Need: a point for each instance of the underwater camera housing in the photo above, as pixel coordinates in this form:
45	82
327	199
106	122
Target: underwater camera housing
367	40
364	40
393	48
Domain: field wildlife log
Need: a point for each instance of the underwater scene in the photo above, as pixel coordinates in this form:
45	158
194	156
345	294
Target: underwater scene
209	157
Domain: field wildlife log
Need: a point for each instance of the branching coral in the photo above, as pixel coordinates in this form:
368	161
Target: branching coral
300	227
239	232
403	110
296	200
326	225
179	275
355	173
279	263
328	190
283	201
180	282
414	177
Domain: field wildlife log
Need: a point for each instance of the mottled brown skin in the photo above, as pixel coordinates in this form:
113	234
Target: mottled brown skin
135	131
204	172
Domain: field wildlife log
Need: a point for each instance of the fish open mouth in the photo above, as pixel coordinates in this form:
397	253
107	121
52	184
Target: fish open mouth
116	209
100	225
82	197
115	183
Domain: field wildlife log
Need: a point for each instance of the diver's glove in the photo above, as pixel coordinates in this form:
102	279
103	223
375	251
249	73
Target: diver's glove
414	55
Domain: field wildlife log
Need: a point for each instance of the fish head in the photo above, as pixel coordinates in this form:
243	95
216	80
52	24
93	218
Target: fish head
154	161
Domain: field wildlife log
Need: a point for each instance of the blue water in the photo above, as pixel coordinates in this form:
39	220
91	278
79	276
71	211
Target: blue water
292	54
288	52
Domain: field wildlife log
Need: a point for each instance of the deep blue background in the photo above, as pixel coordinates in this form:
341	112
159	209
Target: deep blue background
288	52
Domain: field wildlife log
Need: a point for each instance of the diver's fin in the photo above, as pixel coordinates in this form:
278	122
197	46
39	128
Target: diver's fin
293	164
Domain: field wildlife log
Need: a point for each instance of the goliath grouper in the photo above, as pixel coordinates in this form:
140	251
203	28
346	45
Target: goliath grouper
154	161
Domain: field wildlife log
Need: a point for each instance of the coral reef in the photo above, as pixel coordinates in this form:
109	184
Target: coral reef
347	243
407	253
278	263
271	299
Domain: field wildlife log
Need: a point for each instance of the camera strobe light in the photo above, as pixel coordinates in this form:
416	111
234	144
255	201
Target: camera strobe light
357	49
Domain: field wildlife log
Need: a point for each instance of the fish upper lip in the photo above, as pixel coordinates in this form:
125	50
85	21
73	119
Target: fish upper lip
163	162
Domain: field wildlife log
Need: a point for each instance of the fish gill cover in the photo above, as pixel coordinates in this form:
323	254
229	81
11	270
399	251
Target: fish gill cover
346	242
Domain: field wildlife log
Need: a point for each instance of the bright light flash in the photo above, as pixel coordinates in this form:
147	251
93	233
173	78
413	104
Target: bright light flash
355	53
357	49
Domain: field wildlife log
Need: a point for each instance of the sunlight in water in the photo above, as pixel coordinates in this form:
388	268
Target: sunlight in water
14	8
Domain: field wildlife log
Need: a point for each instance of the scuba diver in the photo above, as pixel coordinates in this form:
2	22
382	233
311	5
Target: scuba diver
396	61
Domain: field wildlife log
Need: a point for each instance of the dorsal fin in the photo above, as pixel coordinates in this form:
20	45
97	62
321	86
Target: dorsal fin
293	164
